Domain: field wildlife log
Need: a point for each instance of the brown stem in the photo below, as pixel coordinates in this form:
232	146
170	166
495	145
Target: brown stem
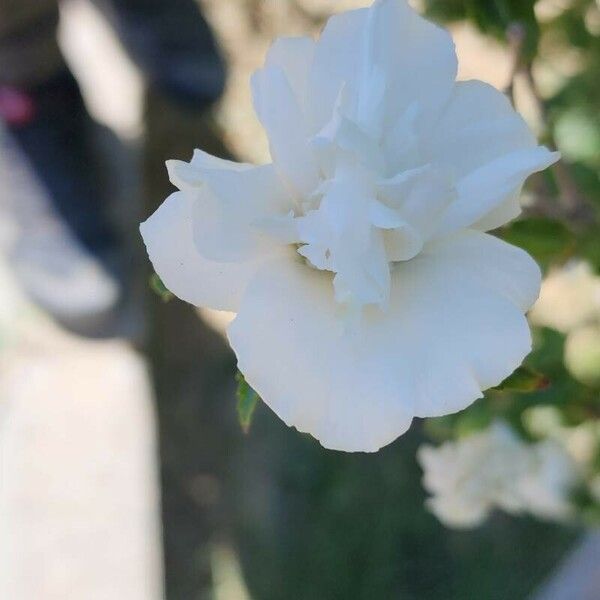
515	35
573	205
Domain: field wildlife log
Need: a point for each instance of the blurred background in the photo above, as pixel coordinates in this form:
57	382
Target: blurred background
124	472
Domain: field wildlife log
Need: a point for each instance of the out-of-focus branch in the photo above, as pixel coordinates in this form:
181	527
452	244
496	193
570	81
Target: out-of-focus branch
572	203
515	35
569	204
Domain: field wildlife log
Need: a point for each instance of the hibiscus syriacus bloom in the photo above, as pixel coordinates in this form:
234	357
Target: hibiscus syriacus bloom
366	289
492	469
470	477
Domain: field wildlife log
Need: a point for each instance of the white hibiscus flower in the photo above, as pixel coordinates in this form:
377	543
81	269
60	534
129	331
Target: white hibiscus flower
492	469
366	289
547	487
472	476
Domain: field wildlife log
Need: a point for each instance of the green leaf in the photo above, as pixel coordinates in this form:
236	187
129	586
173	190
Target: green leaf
548	241
445	11
247	399
476	418
589	247
158	287
524	380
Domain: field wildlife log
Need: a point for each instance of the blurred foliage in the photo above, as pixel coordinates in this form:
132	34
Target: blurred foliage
329	525
548	241
524	380
562	218
491	17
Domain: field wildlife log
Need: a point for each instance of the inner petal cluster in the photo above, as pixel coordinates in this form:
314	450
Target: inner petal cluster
360	220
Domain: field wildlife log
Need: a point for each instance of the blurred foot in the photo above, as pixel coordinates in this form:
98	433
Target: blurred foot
68	265
63	279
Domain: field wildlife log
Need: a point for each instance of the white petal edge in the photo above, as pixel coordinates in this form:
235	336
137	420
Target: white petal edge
414	58
452	330
479	120
492	185
168	236
229	201
283	118
294	56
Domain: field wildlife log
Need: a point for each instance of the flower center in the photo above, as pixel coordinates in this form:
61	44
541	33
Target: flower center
360	221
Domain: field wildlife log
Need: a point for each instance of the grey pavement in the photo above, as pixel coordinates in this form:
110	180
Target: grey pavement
79	500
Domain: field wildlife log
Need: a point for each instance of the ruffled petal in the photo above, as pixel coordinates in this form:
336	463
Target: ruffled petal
507	269
230	202
332	386
479	120
492	185
402	243
184	175
283	118
387	57
506	211
421	196
294	56
454	327
169	240
336	57
497	153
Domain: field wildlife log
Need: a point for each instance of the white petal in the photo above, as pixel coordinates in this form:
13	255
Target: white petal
169	241
419	59
388	48
184	174
492	185
453	328
294	55
364	278
401	143
283	228
340	135
481	122
421	196
335	63
283	118
383	216
287	338
230	201
229	206
338	237
401	244
501	266
477	126
506	211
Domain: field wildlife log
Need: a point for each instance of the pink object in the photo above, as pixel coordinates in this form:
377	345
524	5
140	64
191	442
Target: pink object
16	107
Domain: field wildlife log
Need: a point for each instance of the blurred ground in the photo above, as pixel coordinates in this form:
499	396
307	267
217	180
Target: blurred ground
78	482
